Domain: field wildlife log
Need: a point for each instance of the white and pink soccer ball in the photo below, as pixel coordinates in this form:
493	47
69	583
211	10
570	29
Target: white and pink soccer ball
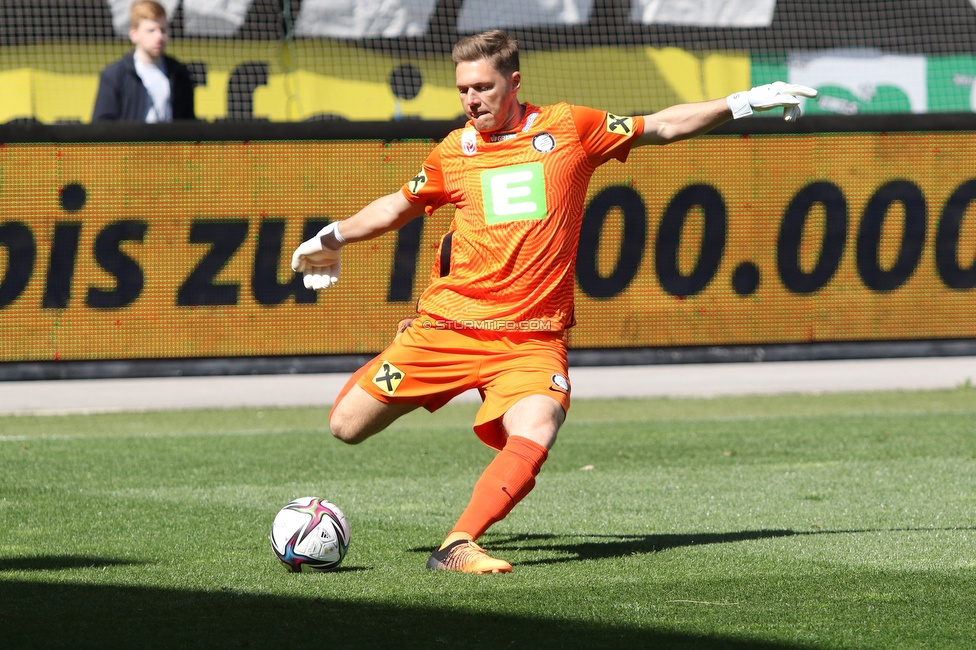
310	532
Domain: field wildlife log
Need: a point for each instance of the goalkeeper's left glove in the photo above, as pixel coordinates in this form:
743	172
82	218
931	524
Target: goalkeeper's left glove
774	95
318	258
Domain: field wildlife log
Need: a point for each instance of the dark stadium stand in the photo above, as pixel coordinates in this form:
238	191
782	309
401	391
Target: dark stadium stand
895	26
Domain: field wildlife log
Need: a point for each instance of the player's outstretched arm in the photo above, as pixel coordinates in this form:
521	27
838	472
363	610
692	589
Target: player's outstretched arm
318	258
683	121
386	213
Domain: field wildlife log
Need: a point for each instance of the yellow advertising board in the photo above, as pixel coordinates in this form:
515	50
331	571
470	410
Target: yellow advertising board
310	79
182	250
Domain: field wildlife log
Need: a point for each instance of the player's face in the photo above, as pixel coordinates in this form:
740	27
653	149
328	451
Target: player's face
150	39
489	98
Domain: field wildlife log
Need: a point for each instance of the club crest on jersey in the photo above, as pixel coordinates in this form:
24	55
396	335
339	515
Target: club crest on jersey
388	377
560	382
417	182
469	142
544	142
620	125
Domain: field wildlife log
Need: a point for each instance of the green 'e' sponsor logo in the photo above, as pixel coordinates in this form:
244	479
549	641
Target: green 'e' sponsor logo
514	193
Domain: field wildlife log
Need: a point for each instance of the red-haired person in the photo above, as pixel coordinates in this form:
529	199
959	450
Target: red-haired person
145	85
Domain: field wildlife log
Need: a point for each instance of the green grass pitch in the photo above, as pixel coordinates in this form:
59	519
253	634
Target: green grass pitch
831	521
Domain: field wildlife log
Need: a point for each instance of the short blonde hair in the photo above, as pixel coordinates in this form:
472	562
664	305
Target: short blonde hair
495	45
146	10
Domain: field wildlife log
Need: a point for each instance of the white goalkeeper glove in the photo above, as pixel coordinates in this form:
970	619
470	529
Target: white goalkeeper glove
774	95
318	258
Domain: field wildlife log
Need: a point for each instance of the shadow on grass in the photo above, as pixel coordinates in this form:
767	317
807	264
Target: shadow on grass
47	615
595	547
60	563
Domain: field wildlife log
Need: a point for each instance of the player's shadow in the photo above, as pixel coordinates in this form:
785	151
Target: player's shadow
576	548
572	548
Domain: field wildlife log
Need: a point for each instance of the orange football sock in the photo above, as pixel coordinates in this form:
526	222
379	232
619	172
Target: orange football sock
505	482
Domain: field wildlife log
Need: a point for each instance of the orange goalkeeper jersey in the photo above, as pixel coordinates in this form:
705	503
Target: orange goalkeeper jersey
509	259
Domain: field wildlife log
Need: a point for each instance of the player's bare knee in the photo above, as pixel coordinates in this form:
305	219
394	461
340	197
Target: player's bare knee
537	418
344	429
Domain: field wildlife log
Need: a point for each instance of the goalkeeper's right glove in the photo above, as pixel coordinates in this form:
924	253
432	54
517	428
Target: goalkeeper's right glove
318	258
774	95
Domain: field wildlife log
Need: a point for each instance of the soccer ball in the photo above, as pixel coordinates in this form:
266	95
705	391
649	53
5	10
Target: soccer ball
310	532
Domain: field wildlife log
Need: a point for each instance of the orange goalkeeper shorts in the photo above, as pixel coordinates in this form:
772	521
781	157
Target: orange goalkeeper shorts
429	364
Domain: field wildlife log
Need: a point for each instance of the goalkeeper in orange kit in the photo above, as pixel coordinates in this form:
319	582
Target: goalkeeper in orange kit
500	298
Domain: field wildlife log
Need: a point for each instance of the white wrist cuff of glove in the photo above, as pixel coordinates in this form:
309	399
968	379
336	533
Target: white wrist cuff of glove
739	104
330	237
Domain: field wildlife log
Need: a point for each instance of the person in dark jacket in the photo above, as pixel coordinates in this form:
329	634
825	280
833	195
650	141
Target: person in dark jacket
145	85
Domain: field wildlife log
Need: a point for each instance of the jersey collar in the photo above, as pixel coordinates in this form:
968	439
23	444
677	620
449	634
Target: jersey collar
529	115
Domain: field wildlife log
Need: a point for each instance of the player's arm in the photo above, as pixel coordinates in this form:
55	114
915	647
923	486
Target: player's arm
318	258
683	121
386	213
